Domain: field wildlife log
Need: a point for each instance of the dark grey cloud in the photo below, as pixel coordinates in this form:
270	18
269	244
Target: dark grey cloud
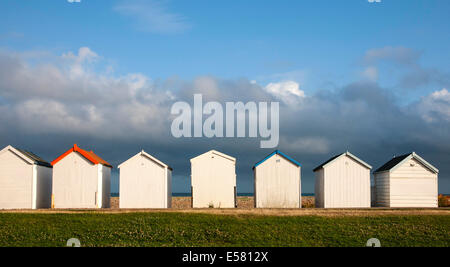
47	108
399	55
406	64
419	76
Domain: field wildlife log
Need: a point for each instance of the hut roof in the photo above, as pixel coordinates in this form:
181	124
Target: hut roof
399	160
89	155
29	156
341	155
277	152
145	154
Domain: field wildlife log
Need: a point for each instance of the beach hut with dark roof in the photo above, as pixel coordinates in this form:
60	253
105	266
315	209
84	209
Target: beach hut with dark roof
25	180
407	181
343	181
81	179
277	182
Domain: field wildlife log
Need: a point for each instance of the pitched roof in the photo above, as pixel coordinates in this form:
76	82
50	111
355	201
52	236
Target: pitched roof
326	162
215	152
341	155
89	155
392	163
145	154
397	161
277	152
29	156
38	160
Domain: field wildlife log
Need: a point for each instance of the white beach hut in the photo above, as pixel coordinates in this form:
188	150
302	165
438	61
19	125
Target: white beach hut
343	182
25	180
407	181
277	182
145	182
81	179
213	180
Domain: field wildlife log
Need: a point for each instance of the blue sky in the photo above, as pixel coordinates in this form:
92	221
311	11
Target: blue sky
232	39
399	48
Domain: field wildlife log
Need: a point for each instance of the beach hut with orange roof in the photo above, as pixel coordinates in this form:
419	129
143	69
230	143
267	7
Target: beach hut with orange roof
81	179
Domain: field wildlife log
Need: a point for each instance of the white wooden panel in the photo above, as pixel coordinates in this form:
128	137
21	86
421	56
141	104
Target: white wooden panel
382	190
213	181
143	184
106	190
319	189
169	188
15	182
75	182
277	183
347	184
43	187
413	185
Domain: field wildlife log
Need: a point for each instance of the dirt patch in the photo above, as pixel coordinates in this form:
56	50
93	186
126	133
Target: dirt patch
242	202
246	207
185	202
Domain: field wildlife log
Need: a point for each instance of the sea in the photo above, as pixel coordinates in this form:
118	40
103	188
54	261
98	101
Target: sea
239	194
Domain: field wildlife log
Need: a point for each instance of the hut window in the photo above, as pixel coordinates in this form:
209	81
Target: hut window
278	161
412	164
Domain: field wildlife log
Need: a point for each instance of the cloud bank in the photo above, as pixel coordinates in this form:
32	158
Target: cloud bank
60	100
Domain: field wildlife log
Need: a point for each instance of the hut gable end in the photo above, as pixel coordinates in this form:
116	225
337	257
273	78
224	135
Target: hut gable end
337	158
399	161
144	155
26	156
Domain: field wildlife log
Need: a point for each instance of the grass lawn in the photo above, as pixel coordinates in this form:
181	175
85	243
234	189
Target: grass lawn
181	229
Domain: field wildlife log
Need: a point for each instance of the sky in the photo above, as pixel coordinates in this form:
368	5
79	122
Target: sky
370	78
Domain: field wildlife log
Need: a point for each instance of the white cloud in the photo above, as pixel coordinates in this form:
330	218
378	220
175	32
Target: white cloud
77	62
371	73
435	106
152	16
287	91
84	54
74	1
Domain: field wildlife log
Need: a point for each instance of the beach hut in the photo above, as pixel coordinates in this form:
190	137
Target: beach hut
213	180
145	182
343	182
406	181
81	179
25	180
277	182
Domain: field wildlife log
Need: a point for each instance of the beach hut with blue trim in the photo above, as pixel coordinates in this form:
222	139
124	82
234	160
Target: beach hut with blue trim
277	182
